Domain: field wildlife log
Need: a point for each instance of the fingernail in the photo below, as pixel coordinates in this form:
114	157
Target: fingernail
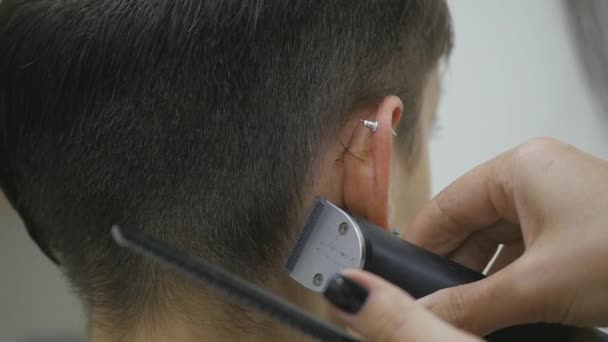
345	294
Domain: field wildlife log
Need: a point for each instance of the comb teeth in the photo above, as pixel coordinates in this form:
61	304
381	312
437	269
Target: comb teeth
309	226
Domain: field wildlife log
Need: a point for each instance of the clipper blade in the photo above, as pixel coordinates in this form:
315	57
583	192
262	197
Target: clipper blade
330	241
309	226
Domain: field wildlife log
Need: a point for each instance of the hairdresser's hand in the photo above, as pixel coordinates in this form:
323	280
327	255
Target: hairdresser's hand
379	311
544	197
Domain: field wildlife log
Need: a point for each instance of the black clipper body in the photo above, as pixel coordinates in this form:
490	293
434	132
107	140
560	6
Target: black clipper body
333	240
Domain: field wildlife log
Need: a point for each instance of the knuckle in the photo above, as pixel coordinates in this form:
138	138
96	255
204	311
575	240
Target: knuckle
394	329
399	330
538	156
456	309
450	306
538	299
389	323
538	149
524	298
545	142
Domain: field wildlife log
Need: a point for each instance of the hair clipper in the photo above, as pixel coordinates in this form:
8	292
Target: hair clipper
333	240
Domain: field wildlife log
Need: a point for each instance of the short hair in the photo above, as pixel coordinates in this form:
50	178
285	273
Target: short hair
200	122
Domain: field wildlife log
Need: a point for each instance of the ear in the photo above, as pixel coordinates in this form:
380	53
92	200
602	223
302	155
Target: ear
367	162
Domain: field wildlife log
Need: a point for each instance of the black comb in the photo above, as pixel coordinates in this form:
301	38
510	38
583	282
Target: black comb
310	224
235	287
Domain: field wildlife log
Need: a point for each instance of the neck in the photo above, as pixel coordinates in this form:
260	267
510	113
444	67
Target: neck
210	319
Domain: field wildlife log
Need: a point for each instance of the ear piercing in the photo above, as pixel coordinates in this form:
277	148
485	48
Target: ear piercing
373	126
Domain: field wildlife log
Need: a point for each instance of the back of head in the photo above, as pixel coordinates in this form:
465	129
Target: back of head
200	122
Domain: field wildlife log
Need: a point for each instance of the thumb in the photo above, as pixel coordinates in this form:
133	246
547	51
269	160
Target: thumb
379	311
487	305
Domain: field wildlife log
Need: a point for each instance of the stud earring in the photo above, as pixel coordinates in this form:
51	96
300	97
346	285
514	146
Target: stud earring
373	126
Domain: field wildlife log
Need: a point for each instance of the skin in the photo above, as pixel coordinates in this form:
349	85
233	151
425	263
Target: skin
545	198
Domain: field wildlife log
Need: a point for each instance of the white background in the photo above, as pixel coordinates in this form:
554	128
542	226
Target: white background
514	74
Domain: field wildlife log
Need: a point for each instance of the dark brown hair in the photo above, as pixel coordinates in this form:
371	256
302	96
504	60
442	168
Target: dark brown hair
197	121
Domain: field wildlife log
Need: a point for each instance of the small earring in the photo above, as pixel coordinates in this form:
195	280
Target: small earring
372	125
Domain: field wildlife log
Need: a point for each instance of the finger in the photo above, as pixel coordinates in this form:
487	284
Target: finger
478	199
486	305
384	312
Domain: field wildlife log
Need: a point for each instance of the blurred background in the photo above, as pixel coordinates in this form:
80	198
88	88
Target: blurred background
520	69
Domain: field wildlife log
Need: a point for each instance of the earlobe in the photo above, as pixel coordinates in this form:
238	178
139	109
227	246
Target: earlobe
367	162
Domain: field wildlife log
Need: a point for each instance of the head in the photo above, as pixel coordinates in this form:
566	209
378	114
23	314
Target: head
210	125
